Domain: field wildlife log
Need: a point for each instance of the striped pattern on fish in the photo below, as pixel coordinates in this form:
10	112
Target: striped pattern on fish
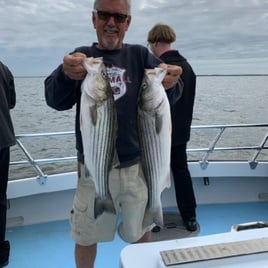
154	123
98	126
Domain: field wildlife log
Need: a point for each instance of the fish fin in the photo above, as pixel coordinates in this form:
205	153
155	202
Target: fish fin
158	218
165	182
158	123
87	172
93	114
116	161
103	205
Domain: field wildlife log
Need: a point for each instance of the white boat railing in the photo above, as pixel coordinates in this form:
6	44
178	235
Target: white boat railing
256	149
203	158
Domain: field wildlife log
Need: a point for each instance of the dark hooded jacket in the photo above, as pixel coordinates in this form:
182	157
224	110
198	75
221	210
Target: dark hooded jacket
7	102
182	110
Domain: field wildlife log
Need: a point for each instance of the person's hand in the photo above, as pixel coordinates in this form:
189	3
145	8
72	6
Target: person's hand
73	66
172	76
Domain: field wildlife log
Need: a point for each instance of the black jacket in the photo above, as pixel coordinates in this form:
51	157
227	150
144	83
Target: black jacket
182	110
7	102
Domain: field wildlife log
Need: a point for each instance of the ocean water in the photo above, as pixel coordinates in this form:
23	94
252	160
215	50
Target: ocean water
219	100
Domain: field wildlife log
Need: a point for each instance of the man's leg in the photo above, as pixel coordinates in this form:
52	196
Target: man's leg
183	186
85	256
147	237
87	231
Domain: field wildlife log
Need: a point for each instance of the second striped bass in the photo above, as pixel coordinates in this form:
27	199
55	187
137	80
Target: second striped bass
154	122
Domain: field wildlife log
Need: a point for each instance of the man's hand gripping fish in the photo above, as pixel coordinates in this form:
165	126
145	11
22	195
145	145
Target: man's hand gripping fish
98	128
154	122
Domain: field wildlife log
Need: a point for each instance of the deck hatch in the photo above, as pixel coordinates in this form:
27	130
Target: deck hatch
214	251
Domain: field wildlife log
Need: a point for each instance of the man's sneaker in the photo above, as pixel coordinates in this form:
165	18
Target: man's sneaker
191	224
156	229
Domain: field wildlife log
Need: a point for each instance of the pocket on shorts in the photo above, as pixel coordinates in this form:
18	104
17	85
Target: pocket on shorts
78	215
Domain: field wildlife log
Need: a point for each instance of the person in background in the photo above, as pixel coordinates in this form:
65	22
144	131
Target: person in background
125	64
7	139
160	38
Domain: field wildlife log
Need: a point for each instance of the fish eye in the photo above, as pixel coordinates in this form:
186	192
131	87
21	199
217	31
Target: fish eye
144	85
104	74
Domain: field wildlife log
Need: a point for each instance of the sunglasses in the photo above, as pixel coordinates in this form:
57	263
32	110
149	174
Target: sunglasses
105	16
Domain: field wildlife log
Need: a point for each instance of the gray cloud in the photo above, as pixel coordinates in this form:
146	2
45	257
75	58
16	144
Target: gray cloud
226	33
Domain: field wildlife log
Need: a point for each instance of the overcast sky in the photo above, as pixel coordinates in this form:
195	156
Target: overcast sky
216	36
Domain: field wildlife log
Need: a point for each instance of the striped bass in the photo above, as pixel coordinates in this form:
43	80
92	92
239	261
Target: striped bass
154	123
98	128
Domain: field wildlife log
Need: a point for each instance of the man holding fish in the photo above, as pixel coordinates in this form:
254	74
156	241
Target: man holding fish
110	132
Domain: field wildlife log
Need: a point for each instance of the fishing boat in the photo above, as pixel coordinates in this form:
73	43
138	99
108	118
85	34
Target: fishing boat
230	183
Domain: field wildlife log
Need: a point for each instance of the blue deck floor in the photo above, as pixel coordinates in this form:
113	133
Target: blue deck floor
50	246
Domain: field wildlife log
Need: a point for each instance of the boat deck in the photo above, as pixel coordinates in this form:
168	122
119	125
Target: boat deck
241	180
49	244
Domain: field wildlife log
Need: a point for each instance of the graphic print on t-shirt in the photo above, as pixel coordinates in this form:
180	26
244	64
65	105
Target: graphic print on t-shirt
117	81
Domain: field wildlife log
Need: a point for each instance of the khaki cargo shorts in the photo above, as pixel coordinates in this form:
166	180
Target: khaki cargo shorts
130	196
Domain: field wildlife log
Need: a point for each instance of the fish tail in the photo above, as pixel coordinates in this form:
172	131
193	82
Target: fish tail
153	216
158	218
103	205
